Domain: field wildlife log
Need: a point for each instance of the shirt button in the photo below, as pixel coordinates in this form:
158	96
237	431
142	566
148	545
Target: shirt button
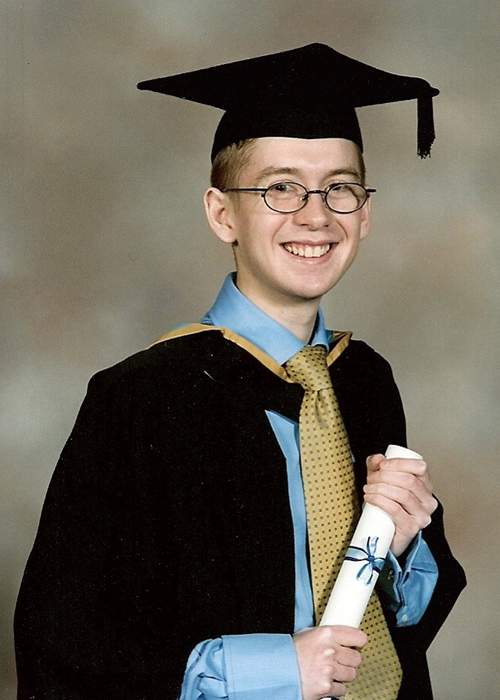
404	618
390	575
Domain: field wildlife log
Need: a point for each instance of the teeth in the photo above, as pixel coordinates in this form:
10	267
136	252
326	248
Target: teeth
307	251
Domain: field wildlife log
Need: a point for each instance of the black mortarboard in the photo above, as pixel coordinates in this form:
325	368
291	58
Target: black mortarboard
309	92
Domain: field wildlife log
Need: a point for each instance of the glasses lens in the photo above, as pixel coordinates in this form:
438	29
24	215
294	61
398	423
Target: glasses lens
346	197
285	196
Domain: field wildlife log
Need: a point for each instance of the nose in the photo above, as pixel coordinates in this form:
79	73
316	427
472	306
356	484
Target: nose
315	214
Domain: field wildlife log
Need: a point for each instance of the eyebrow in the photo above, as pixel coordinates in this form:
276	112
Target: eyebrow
275	170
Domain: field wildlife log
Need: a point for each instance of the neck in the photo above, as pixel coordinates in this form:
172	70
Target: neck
298	317
300	321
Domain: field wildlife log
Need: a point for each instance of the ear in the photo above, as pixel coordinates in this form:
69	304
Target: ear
219	210
366	217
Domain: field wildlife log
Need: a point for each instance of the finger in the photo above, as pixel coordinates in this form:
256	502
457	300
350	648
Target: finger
339	636
410	466
403	498
403	479
395	485
344	674
338	690
404	521
348	657
419	485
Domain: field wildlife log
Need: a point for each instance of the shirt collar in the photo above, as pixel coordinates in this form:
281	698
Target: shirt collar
234	310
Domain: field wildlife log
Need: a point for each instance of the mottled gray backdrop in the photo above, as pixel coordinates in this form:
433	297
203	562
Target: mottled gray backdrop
104	244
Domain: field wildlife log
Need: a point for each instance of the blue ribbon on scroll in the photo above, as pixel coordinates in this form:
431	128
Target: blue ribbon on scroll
373	563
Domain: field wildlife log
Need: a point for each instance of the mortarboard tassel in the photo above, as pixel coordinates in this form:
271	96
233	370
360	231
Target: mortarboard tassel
425	126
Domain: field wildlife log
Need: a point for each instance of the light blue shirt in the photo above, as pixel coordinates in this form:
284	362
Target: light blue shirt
260	666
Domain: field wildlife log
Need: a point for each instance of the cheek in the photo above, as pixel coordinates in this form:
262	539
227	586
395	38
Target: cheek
257	231
260	234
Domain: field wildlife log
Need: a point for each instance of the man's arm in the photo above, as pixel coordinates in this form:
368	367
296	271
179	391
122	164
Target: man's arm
244	666
403	489
373	412
95	612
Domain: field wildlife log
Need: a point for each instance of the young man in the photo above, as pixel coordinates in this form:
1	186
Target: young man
179	551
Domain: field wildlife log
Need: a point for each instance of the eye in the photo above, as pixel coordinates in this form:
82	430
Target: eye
342	187
285	192
284	187
345	197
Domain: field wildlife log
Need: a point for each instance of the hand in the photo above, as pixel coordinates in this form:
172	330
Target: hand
402	488
326	659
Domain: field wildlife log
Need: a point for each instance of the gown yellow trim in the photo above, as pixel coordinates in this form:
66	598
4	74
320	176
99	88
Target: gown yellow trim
342	341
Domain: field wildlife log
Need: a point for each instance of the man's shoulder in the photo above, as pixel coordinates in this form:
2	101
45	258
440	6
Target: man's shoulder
360	355
172	360
362	372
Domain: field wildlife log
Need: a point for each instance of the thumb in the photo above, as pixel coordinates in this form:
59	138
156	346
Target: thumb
373	462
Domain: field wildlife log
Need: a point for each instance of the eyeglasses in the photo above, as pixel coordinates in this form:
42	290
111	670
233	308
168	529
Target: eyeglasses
289	197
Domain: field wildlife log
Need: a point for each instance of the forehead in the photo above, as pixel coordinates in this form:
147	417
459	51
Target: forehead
304	156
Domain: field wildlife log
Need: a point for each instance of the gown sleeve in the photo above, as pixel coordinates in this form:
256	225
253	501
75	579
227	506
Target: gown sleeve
94	615
385	424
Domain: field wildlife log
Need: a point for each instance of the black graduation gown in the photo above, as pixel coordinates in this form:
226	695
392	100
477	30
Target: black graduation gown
167	522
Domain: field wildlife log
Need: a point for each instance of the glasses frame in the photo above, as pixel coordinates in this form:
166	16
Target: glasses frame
324	194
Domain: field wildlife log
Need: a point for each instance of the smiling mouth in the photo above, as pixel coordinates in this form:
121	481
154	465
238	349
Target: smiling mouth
308	251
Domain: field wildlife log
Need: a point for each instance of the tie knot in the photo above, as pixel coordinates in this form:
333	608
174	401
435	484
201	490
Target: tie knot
308	367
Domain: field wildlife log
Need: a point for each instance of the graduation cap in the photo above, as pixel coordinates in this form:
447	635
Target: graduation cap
308	92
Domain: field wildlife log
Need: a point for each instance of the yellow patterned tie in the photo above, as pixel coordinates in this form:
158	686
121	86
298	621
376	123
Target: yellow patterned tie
332	512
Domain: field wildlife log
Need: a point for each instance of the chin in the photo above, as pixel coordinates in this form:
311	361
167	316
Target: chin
315	291
311	293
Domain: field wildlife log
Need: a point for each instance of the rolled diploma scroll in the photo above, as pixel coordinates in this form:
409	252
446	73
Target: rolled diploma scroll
356	579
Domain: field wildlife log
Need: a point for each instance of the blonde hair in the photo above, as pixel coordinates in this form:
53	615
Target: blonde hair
229	162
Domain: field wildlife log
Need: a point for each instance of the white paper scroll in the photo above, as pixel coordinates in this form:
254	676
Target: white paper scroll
364	560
